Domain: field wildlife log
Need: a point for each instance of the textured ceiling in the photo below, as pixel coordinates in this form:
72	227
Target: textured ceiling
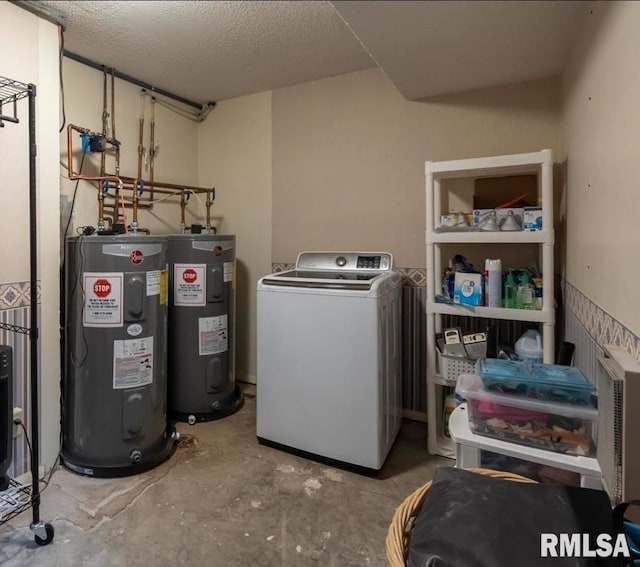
433	48
210	51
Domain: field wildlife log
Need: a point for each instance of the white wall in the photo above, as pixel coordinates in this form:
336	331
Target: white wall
30	54
234	148
602	137
349	153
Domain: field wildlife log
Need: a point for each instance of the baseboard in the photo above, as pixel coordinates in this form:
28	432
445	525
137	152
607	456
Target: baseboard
414	415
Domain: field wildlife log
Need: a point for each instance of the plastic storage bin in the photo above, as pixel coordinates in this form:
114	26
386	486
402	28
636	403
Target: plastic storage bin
548	382
563	428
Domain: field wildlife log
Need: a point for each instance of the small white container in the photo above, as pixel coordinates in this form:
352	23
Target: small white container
493	283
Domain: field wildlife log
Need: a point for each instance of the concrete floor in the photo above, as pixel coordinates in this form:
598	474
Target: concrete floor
224	500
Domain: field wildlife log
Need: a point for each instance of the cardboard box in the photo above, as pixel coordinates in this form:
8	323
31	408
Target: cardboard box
532	219
468	289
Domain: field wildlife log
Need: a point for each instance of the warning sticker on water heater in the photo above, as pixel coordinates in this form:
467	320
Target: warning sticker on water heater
213	335
164	286
102	299
132	363
153	282
229	268
189	283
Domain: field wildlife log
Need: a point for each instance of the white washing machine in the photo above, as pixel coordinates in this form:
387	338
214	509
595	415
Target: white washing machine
328	366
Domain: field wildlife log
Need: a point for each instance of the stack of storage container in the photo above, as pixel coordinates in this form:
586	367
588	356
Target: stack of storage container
538	405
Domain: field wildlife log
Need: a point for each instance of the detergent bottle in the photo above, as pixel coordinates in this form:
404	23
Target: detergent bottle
529	346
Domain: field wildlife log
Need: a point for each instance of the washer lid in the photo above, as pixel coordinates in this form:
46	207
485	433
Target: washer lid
324	280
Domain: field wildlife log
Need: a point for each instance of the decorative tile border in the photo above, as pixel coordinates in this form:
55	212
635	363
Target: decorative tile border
604	329
281	267
16	294
412	277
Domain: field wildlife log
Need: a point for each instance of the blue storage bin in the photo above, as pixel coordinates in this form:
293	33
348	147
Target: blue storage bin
541	381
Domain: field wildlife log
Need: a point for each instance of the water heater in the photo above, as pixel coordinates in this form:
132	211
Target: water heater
202	327
114	410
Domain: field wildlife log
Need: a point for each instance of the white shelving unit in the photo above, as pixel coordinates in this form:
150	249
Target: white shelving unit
538	163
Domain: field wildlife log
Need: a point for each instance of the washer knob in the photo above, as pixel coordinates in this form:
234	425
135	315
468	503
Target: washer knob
341	261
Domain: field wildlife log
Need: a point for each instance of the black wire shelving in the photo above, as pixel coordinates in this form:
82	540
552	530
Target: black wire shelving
10	93
18	497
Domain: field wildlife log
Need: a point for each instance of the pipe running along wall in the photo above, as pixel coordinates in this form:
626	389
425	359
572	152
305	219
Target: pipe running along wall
136	185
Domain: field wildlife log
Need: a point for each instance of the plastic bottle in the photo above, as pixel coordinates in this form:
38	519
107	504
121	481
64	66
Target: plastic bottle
529	346
493	283
526	293
510	291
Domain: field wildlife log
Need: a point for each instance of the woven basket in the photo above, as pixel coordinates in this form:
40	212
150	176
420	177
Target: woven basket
400	529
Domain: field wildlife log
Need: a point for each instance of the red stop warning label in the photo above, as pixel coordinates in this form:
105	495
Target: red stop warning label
102	288
189	275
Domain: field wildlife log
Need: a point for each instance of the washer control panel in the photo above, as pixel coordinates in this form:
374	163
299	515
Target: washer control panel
347	261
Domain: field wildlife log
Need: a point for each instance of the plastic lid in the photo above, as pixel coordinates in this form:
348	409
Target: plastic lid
469	386
524	278
510	277
534	374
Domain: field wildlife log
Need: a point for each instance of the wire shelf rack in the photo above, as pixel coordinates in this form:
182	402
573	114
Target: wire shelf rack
18	497
14	500
11	91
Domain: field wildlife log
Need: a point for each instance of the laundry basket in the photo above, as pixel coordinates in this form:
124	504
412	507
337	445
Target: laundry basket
403	520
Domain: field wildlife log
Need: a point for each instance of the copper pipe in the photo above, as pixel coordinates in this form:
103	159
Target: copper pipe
105	114
125	179
209	202
118	161
135	204
113	104
100	205
141	133
129	205
152	145
132	180
183	208
115	208
103	156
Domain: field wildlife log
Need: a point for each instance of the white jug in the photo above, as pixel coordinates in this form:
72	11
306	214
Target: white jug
529	346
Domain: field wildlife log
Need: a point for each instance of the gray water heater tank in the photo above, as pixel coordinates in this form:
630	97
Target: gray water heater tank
114	394
201	355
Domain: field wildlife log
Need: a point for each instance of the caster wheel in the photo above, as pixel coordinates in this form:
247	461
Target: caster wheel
191	420
50	533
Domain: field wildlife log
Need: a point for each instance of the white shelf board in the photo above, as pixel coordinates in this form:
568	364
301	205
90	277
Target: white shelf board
482	237
533	315
513	164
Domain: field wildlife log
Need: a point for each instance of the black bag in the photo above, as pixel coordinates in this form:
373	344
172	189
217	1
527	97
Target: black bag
472	520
